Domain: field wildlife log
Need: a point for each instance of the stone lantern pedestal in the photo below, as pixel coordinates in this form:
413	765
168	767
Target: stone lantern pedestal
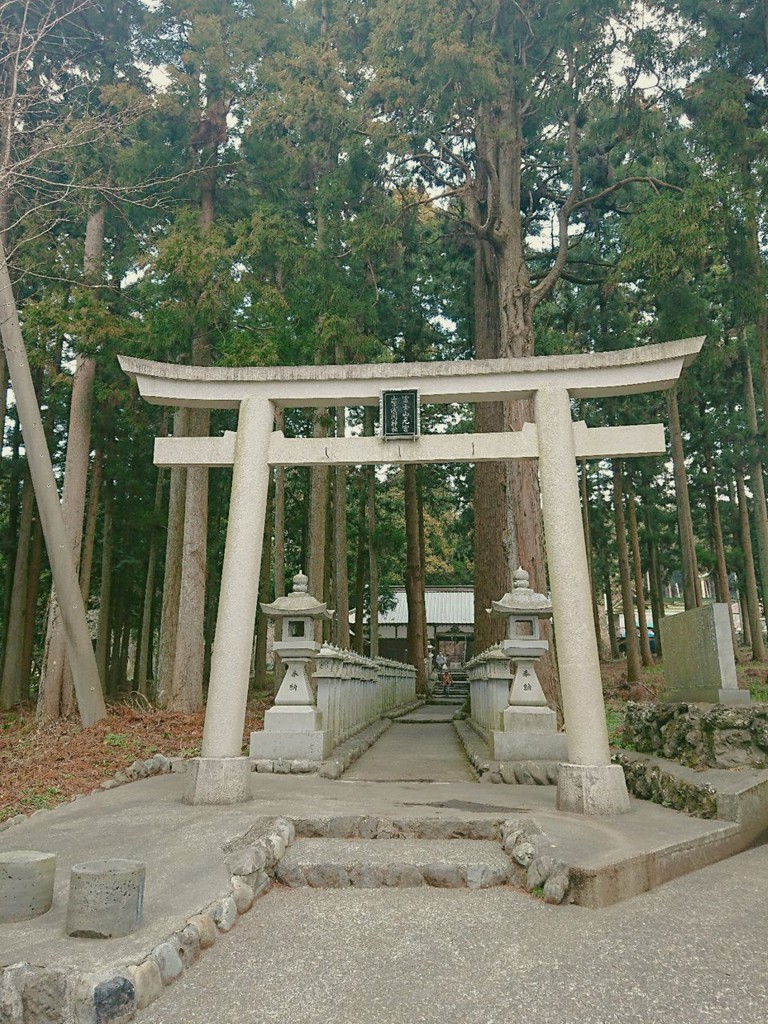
293	728
528	726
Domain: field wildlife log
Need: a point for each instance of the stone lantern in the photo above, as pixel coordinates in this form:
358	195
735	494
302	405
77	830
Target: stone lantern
529	727
524	609
293	727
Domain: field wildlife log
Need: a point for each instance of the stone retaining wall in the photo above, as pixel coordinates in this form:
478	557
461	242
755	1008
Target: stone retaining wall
649	781
700	735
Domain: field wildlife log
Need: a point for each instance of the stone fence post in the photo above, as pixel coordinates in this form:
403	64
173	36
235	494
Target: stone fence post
490	678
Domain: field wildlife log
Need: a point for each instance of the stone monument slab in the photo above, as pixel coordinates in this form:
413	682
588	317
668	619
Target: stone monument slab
698	657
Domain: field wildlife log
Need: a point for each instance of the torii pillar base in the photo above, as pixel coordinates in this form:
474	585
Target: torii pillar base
218	780
592	789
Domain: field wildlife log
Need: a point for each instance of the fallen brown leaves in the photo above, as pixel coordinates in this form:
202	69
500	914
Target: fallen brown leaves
44	766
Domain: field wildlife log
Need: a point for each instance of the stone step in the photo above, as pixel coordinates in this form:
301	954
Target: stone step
382	863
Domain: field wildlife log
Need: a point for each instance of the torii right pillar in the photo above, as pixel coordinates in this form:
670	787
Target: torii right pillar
588	783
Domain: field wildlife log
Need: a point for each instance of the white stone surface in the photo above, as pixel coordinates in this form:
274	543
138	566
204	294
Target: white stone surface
590	442
309	746
577	653
592	789
295	688
730	696
217	780
293	719
236	619
526	688
627	371
529	746
521	719
699	662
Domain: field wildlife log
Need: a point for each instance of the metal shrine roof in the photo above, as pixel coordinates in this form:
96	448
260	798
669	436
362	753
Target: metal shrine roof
446	606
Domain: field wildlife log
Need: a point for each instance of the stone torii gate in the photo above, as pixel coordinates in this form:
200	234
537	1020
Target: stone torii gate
588	783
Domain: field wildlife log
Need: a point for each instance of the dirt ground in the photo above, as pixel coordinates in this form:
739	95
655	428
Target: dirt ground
44	766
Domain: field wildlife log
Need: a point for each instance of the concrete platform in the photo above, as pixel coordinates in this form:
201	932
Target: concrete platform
610	858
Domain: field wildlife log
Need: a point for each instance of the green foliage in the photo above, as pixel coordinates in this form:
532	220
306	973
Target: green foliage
331	130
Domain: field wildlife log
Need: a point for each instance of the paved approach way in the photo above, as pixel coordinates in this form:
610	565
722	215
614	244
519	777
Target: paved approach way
689	952
420	747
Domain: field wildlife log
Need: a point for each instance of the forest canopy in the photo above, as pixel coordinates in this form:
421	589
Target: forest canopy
345	181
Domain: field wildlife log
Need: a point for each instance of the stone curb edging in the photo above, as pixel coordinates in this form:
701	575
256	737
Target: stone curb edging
522	773
40	995
353	748
648	781
524	841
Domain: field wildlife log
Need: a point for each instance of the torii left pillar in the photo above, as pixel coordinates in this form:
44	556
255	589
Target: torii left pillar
221	775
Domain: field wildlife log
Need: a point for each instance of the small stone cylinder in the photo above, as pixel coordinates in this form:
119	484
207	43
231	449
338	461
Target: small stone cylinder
26	884
105	898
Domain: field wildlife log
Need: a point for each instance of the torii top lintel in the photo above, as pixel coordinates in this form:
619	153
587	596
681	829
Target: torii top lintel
627	371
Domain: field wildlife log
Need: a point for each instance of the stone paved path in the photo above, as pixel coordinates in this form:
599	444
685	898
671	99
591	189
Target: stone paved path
690	952
415	753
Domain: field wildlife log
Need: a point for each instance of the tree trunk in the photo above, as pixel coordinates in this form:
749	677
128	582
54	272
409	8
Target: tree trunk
105	594
634	671
12	686
723	589
279	517
141	674
690	570
590	562
608	590
89	534
174	547
3	395
340	543
15	481
55	683
187	686
414	579
423	549
318	515
262	620
89	693
637	568
657	590
746	632
491	560
760	512
360	563
373	561
33	590
753	600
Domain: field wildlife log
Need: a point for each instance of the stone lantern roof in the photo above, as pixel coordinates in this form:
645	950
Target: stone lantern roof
298	603
522	600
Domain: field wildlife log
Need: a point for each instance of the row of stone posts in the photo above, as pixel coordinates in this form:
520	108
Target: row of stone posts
508	706
354	692
490	677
